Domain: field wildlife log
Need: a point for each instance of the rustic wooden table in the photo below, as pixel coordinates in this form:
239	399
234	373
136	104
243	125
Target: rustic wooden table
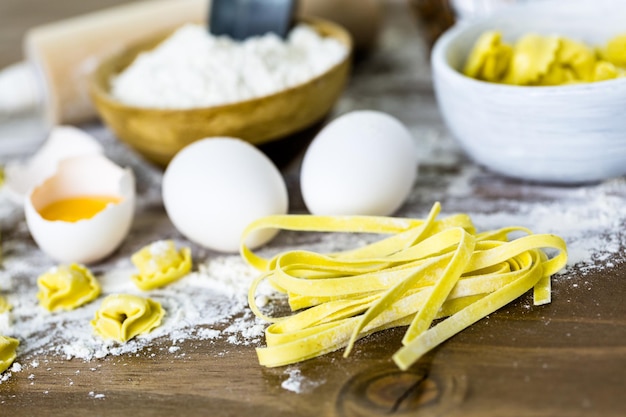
567	358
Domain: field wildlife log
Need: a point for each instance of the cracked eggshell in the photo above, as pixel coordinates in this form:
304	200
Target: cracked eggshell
63	142
87	240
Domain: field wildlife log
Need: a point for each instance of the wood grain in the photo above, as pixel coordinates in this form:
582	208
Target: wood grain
567	358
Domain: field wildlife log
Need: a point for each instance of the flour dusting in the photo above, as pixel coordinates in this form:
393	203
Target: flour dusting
298	383
210	303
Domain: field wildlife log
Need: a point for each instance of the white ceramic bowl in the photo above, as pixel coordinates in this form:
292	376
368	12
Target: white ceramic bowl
563	134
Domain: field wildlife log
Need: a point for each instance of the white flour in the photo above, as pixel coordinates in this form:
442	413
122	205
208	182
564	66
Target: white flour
193	68
298	383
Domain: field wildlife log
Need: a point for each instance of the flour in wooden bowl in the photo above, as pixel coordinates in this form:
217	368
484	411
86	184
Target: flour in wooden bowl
193	68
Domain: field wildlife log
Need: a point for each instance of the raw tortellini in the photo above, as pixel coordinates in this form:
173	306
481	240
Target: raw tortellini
489	59
122	317
160	264
544	60
67	287
615	51
4	305
8	347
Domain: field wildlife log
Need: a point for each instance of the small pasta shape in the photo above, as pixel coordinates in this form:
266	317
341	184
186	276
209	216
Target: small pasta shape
8	348
489	59
532	58
4	305
123	316
160	264
615	51
540	60
67	287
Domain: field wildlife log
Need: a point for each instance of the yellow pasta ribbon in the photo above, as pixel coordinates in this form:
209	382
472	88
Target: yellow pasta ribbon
422	271
67	287
122	317
160	264
8	348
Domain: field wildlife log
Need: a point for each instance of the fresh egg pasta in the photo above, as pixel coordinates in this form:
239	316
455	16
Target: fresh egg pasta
424	270
160	264
8	348
615	51
490	58
4	305
122	317
544	60
67	287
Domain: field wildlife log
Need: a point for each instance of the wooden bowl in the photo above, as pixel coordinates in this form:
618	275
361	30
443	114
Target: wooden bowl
158	134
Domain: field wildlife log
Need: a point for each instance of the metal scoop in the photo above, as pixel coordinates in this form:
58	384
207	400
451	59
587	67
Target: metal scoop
241	19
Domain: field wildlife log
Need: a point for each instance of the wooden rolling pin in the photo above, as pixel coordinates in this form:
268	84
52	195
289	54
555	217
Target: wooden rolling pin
60	56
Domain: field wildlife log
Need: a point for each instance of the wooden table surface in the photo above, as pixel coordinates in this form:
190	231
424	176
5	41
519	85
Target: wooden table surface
567	358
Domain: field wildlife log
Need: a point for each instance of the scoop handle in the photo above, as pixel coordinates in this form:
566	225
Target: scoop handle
241	19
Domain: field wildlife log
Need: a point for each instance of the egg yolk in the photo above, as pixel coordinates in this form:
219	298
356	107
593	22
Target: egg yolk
76	208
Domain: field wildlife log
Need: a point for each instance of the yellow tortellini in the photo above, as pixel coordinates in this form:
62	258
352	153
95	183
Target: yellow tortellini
4	305
605	71
490	58
160	264
67	287
123	316
531	59
538	60
615	51
8	348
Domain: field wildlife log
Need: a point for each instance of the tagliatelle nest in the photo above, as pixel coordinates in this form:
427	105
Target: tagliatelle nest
426	270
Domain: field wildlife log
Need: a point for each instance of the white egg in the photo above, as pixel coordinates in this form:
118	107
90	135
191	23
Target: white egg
86	239
362	163
215	187
63	142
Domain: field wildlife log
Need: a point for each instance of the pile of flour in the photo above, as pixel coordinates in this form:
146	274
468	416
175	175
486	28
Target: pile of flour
193	68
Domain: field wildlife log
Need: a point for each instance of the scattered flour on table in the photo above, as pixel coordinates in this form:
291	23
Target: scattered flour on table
298	383
590	218
205	305
193	68
210	304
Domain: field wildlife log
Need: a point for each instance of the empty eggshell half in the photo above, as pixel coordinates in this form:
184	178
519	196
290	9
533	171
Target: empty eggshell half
85	240
63	142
